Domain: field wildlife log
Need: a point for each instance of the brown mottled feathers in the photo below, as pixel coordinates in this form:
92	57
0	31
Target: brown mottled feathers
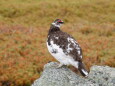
62	42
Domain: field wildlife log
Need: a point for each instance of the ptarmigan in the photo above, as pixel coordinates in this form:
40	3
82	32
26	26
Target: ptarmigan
65	48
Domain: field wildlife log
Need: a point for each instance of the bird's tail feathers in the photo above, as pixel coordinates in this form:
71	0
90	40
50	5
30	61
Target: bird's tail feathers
82	69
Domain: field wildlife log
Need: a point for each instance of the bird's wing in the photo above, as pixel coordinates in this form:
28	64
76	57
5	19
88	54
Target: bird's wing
74	48
69	45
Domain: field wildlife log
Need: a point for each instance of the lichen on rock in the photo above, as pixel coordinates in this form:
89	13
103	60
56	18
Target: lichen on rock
98	76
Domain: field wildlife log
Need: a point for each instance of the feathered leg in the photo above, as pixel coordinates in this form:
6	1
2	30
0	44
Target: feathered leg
60	65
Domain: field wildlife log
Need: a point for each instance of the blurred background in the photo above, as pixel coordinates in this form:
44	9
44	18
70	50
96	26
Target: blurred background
24	26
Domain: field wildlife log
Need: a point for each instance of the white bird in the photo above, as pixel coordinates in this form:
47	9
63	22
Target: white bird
65	48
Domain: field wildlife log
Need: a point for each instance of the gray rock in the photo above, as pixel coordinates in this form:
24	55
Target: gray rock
98	76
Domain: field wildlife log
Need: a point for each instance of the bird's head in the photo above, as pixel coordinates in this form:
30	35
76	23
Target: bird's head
57	23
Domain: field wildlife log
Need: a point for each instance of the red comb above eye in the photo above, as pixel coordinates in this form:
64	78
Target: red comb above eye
59	21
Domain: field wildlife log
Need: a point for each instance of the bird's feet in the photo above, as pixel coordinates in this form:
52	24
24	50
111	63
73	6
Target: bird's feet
60	65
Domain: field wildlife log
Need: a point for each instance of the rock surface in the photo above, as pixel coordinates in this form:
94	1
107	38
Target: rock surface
98	76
